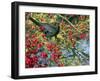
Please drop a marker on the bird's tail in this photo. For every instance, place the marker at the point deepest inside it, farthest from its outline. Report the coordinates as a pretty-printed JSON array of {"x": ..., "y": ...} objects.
[{"x": 35, "y": 21}]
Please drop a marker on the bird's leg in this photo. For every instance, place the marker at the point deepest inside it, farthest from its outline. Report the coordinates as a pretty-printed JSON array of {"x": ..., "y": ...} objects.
[{"x": 55, "y": 36}]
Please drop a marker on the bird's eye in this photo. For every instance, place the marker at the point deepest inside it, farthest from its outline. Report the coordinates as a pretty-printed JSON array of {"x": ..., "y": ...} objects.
[{"x": 46, "y": 32}]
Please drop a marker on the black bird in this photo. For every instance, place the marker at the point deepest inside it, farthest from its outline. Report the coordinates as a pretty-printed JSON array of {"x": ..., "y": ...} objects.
[{"x": 49, "y": 29}]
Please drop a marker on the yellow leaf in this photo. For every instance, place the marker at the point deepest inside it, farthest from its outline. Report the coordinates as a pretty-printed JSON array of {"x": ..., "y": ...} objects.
[{"x": 60, "y": 36}]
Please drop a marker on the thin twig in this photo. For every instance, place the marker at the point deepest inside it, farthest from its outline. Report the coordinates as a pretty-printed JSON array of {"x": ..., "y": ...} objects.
[
  {"x": 66, "y": 20},
  {"x": 69, "y": 22}
]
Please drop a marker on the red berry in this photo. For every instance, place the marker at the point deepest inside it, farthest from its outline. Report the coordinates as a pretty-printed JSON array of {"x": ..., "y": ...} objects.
[
  {"x": 54, "y": 57},
  {"x": 33, "y": 36},
  {"x": 28, "y": 43},
  {"x": 35, "y": 40},
  {"x": 42, "y": 28},
  {"x": 35, "y": 59},
  {"x": 82, "y": 36},
  {"x": 28, "y": 52},
  {"x": 33, "y": 44},
  {"x": 33, "y": 27},
  {"x": 40, "y": 45},
  {"x": 44, "y": 55},
  {"x": 70, "y": 33},
  {"x": 28, "y": 60},
  {"x": 43, "y": 35},
  {"x": 34, "y": 51}
]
